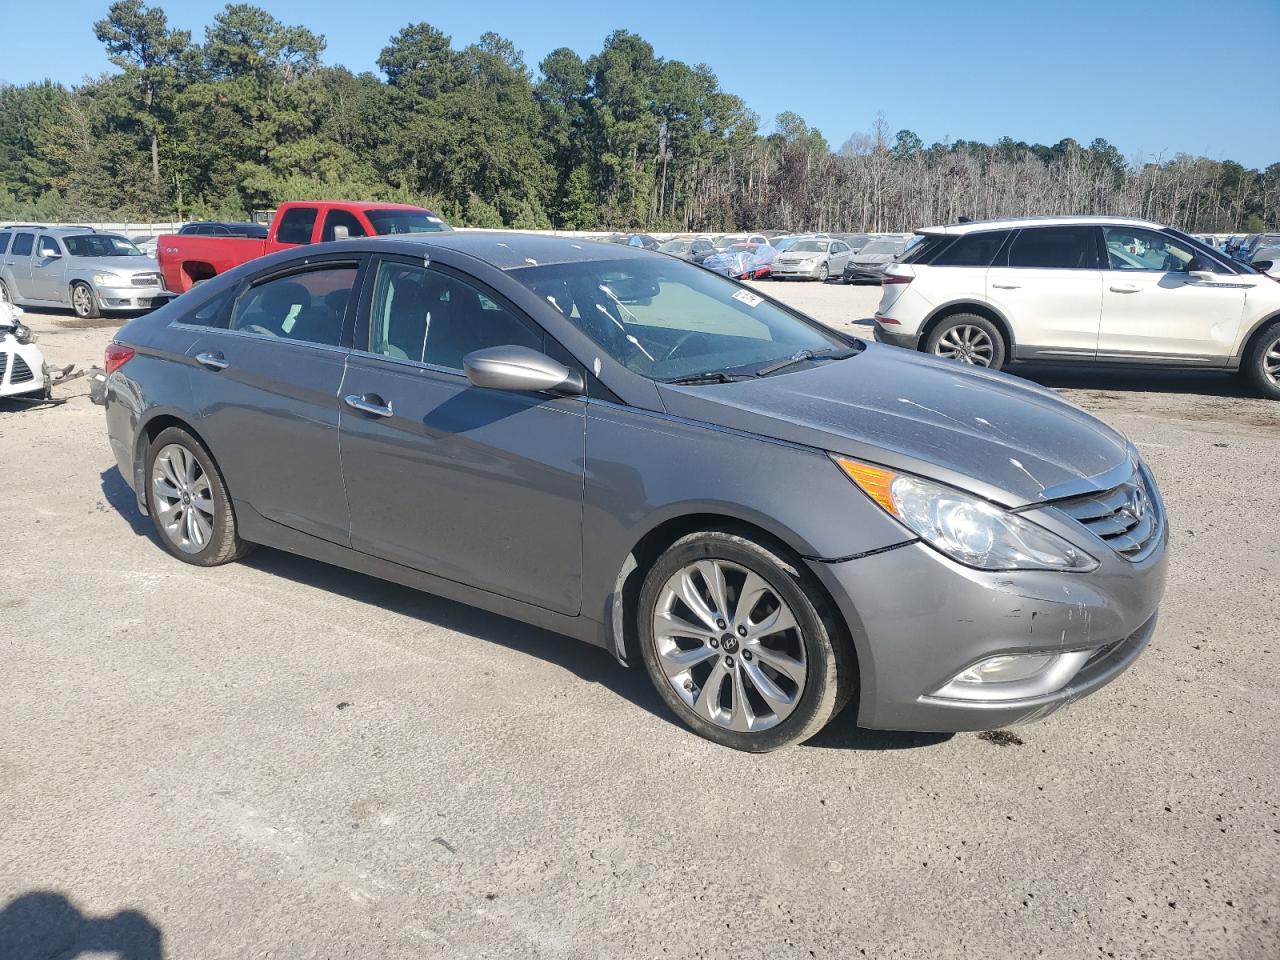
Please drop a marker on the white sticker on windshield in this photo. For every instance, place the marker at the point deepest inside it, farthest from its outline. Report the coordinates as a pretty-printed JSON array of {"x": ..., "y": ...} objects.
[
  {"x": 749, "y": 298},
  {"x": 431, "y": 219}
]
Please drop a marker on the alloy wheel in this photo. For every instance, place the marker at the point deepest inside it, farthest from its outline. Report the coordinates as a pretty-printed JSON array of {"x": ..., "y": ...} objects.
[
  {"x": 968, "y": 344},
  {"x": 729, "y": 646},
  {"x": 1271, "y": 362},
  {"x": 183, "y": 498},
  {"x": 81, "y": 300}
]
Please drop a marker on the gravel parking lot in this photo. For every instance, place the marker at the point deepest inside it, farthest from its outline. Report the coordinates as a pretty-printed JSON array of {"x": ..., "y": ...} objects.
[{"x": 279, "y": 758}]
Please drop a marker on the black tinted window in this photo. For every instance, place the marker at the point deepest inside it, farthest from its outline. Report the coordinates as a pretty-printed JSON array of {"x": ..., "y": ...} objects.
[
  {"x": 306, "y": 306},
  {"x": 211, "y": 314},
  {"x": 22, "y": 243},
  {"x": 4, "y": 240},
  {"x": 426, "y": 316},
  {"x": 971, "y": 250},
  {"x": 1062, "y": 248},
  {"x": 925, "y": 249},
  {"x": 296, "y": 224},
  {"x": 341, "y": 218}
]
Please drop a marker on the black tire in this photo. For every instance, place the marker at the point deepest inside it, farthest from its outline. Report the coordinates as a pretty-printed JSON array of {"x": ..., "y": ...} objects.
[
  {"x": 999, "y": 348},
  {"x": 5, "y": 295},
  {"x": 1264, "y": 352},
  {"x": 224, "y": 544},
  {"x": 84, "y": 302},
  {"x": 831, "y": 675}
]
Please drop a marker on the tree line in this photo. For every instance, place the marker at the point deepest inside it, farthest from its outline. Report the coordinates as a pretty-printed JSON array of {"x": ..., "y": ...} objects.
[{"x": 623, "y": 139}]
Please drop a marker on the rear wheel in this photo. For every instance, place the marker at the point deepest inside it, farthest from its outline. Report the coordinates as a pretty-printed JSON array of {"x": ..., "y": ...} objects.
[
  {"x": 741, "y": 643},
  {"x": 968, "y": 338},
  {"x": 83, "y": 302},
  {"x": 188, "y": 501},
  {"x": 1262, "y": 363}
]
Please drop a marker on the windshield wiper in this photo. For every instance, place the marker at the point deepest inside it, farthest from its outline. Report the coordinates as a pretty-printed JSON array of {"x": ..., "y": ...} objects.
[
  {"x": 711, "y": 376},
  {"x": 801, "y": 357}
]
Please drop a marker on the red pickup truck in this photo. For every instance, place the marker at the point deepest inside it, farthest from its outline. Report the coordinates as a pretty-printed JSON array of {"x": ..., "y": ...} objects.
[{"x": 186, "y": 259}]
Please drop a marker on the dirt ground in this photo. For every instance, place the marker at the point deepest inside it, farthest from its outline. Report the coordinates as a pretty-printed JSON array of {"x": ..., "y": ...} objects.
[{"x": 279, "y": 758}]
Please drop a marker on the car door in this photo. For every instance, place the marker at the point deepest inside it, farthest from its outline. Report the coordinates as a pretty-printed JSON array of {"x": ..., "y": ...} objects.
[
  {"x": 1154, "y": 309},
  {"x": 266, "y": 380},
  {"x": 48, "y": 268},
  {"x": 17, "y": 266},
  {"x": 839, "y": 256},
  {"x": 482, "y": 487},
  {"x": 1048, "y": 285}
]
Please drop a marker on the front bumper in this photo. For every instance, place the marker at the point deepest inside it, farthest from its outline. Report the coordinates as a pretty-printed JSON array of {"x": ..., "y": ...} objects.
[
  {"x": 786, "y": 271},
  {"x": 126, "y": 297},
  {"x": 918, "y": 620},
  {"x": 852, "y": 272},
  {"x": 21, "y": 368}
]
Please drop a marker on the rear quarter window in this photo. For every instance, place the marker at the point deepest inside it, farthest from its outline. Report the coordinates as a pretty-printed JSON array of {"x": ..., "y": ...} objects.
[{"x": 924, "y": 251}]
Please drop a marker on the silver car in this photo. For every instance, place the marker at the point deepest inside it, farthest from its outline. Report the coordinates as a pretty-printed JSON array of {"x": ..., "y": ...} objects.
[
  {"x": 92, "y": 273},
  {"x": 812, "y": 259},
  {"x": 773, "y": 518}
]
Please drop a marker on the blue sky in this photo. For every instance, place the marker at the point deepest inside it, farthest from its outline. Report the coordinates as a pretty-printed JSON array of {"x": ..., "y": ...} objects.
[{"x": 1154, "y": 77}]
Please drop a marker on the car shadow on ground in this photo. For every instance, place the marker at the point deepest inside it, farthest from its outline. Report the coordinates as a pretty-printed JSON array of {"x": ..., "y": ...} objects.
[
  {"x": 45, "y": 924},
  {"x": 587, "y": 662},
  {"x": 1209, "y": 383}
]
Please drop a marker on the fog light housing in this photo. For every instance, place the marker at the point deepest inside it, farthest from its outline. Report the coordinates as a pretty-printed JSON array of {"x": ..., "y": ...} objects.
[
  {"x": 1014, "y": 676},
  {"x": 1009, "y": 668}
]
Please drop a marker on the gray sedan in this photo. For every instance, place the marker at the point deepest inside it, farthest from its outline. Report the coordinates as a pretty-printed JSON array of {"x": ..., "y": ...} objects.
[
  {"x": 771, "y": 518},
  {"x": 89, "y": 272},
  {"x": 869, "y": 262}
]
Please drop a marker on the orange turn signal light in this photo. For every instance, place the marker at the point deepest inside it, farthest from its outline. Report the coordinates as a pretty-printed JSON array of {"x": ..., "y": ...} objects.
[{"x": 873, "y": 481}]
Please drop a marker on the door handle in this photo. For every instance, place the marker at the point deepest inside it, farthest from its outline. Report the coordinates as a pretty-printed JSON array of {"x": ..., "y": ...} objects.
[
  {"x": 1125, "y": 288},
  {"x": 214, "y": 361},
  {"x": 1007, "y": 286},
  {"x": 369, "y": 403}
]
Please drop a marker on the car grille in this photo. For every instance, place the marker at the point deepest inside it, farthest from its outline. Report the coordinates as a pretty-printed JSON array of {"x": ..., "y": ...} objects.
[
  {"x": 4, "y": 365},
  {"x": 1125, "y": 517},
  {"x": 145, "y": 279},
  {"x": 21, "y": 373}
]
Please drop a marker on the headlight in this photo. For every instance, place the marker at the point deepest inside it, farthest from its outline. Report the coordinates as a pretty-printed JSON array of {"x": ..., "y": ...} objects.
[
  {"x": 964, "y": 527},
  {"x": 106, "y": 279}
]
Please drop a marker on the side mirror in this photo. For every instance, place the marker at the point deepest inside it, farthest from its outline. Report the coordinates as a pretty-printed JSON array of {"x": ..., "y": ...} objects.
[
  {"x": 1263, "y": 266},
  {"x": 340, "y": 232},
  {"x": 521, "y": 369}
]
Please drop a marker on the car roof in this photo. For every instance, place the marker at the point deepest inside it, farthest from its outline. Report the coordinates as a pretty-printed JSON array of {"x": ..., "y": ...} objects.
[
  {"x": 1013, "y": 223},
  {"x": 509, "y": 251},
  {"x": 74, "y": 231}
]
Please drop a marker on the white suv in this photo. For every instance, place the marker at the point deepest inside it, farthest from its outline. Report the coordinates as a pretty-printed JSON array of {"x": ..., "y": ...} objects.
[{"x": 1094, "y": 289}]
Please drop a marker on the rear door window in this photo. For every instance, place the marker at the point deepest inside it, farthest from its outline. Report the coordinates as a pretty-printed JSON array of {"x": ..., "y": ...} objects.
[
  {"x": 22, "y": 244},
  {"x": 971, "y": 250},
  {"x": 310, "y": 306},
  {"x": 1055, "y": 248},
  {"x": 296, "y": 225}
]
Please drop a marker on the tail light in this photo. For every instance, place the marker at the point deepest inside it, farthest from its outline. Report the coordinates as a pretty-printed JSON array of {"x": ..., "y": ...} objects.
[
  {"x": 895, "y": 278},
  {"x": 116, "y": 356}
]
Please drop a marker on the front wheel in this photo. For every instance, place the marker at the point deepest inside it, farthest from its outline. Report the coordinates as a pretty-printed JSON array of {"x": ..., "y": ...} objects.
[
  {"x": 968, "y": 338},
  {"x": 823, "y": 273},
  {"x": 83, "y": 302},
  {"x": 188, "y": 501},
  {"x": 741, "y": 643},
  {"x": 1262, "y": 364}
]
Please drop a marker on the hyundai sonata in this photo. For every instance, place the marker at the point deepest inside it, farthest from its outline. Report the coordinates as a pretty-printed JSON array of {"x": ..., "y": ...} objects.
[{"x": 774, "y": 518}]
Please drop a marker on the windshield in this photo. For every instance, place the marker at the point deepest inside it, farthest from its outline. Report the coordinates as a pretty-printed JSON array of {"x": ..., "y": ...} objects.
[
  {"x": 809, "y": 246},
  {"x": 667, "y": 319},
  {"x": 676, "y": 246},
  {"x": 406, "y": 221},
  {"x": 879, "y": 246},
  {"x": 100, "y": 245}
]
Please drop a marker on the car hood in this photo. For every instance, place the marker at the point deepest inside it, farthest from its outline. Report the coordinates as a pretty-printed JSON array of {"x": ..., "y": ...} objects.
[
  {"x": 996, "y": 435},
  {"x": 872, "y": 258},
  {"x": 121, "y": 266}
]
